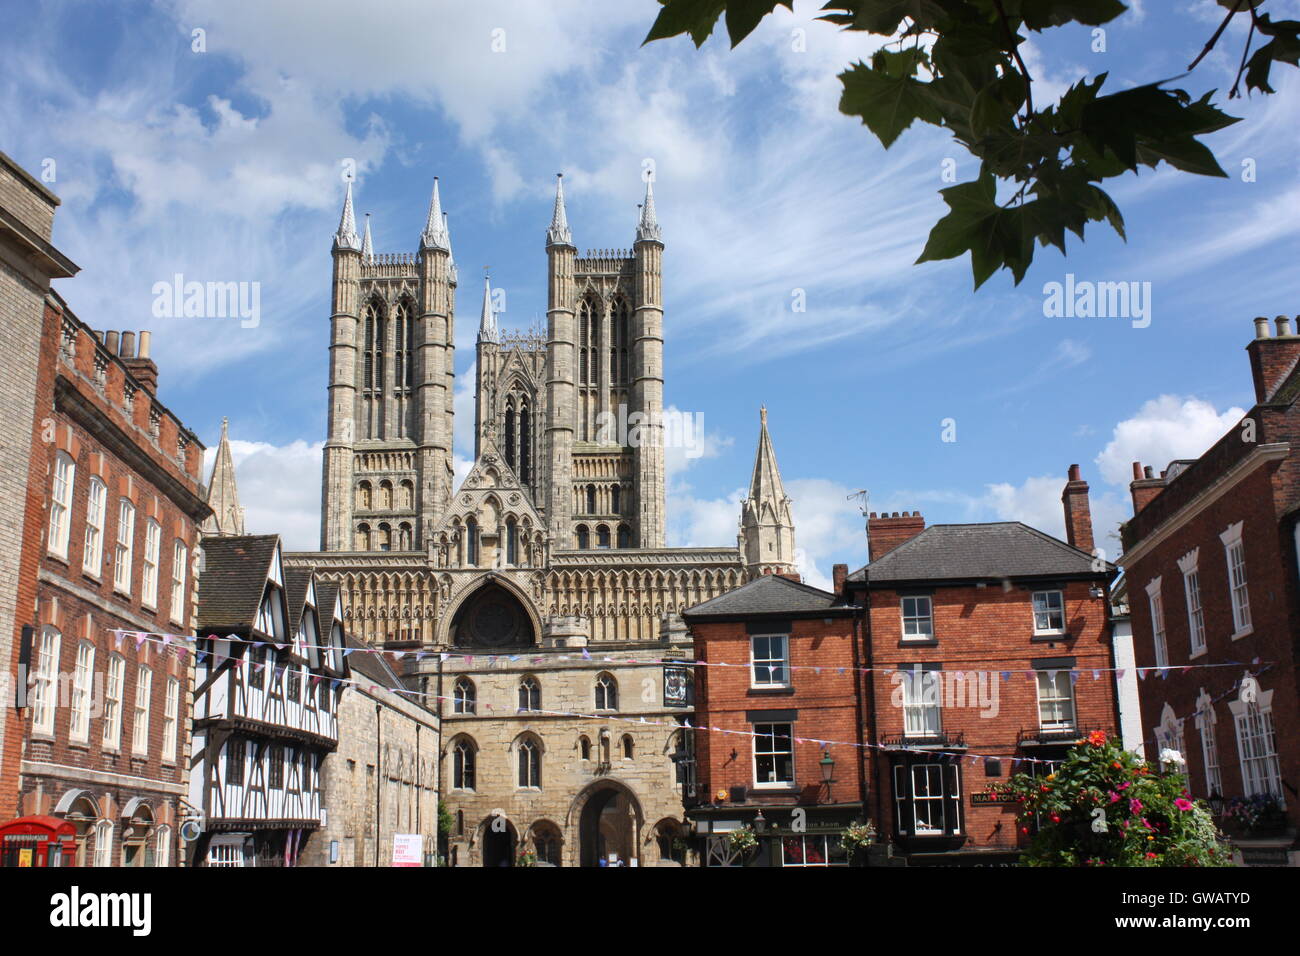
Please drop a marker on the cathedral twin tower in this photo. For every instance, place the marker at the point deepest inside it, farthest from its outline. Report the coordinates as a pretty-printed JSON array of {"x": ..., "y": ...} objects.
[{"x": 541, "y": 405}]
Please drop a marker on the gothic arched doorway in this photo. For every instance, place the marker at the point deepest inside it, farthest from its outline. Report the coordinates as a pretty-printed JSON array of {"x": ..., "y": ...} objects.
[
  {"x": 498, "y": 842},
  {"x": 609, "y": 827},
  {"x": 492, "y": 617}
]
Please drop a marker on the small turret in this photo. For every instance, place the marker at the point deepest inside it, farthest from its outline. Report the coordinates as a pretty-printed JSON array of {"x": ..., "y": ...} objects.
[
  {"x": 346, "y": 237},
  {"x": 558, "y": 234}
]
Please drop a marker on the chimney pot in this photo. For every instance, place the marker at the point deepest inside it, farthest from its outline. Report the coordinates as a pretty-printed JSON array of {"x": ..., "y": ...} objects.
[
  {"x": 145, "y": 337},
  {"x": 1261, "y": 327},
  {"x": 1283, "y": 323},
  {"x": 128, "y": 345},
  {"x": 111, "y": 341},
  {"x": 1137, "y": 471},
  {"x": 1074, "y": 473},
  {"x": 1148, "y": 472}
]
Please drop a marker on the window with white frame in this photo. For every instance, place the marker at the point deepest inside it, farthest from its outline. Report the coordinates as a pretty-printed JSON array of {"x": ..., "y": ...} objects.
[
  {"x": 125, "y": 546},
  {"x": 115, "y": 680},
  {"x": 927, "y": 799},
  {"x": 1192, "y": 590},
  {"x": 149, "y": 573},
  {"x": 140, "y": 719},
  {"x": 1055, "y": 700},
  {"x": 769, "y": 656},
  {"x": 65, "y": 471},
  {"x": 79, "y": 730},
  {"x": 163, "y": 846},
  {"x": 606, "y": 693},
  {"x": 773, "y": 755},
  {"x": 104, "y": 843},
  {"x": 1156, "y": 602},
  {"x": 922, "y": 702},
  {"x": 1206, "y": 723},
  {"x": 918, "y": 618},
  {"x": 814, "y": 850},
  {"x": 1235, "y": 552},
  {"x": 92, "y": 555},
  {"x": 171, "y": 719},
  {"x": 1049, "y": 612},
  {"x": 1169, "y": 735},
  {"x": 462, "y": 767},
  {"x": 45, "y": 686},
  {"x": 1261, "y": 771},
  {"x": 463, "y": 697},
  {"x": 180, "y": 558}
]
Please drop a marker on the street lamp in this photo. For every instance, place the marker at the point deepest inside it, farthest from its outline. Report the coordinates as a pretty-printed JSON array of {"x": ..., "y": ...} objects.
[
  {"x": 827, "y": 763},
  {"x": 1215, "y": 800}
]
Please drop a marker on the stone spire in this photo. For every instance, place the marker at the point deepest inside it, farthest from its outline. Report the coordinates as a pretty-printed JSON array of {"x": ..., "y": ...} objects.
[
  {"x": 227, "y": 517},
  {"x": 346, "y": 237},
  {"x": 558, "y": 234},
  {"x": 766, "y": 523},
  {"x": 487, "y": 326},
  {"x": 451, "y": 257},
  {"x": 648, "y": 227},
  {"x": 435, "y": 227},
  {"x": 367, "y": 246}
]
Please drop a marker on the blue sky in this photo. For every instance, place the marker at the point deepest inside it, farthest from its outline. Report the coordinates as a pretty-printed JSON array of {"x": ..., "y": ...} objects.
[{"x": 224, "y": 165}]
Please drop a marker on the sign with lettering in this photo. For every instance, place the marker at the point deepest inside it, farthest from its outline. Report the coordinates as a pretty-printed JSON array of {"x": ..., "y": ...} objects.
[
  {"x": 676, "y": 685},
  {"x": 986, "y": 799},
  {"x": 408, "y": 849}
]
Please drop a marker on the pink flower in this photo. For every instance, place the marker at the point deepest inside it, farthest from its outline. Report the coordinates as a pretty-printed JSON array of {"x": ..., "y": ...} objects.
[
  {"x": 1114, "y": 797},
  {"x": 1182, "y": 804},
  {"x": 1135, "y": 805}
]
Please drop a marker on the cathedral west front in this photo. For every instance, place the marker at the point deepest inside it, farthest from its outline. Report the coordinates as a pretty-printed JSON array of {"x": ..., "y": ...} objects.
[{"x": 536, "y": 603}]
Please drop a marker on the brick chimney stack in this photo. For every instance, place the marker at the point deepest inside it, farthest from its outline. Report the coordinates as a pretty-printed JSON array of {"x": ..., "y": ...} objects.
[
  {"x": 1078, "y": 515},
  {"x": 1144, "y": 487},
  {"x": 839, "y": 573},
  {"x": 1272, "y": 359},
  {"x": 140, "y": 365},
  {"x": 886, "y": 532}
]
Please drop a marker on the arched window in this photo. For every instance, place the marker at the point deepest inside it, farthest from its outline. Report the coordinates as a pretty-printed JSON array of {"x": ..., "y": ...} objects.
[
  {"x": 602, "y": 536},
  {"x": 629, "y": 748},
  {"x": 385, "y": 538},
  {"x": 606, "y": 692},
  {"x": 624, "y": 536},
  {"x": 510, "y": 437},
  {"x": 463, "y": 759},
  {"x": 591, "y": 499},
  {"x": 672, "y": 848},
  {"x": 525, "y": 459},
  {"x": 584, "y": 538},
  {"x": 530, "y": 694},
  {"x": 385, "y": 495},
  {"x": 584, "y": 748},
  {"x": 408, "y": 495},
  {"x": 471, "y": 542},
  {"x": 363, "y": 537},
  {"x": 92, "y": 556},
  {"x": 547, "y": 841},
  {"x": 616, "y": 499},
  {"x": 512, "y": 541},
  {"x": 619, "y": 320},
  {"x": 463, "y": 696},
  {"x": 104, "y": 843},
  {"x": 363, "y": 496},
  {"x": 369, "y": 349},
  {"x": 530, "y": 764}
]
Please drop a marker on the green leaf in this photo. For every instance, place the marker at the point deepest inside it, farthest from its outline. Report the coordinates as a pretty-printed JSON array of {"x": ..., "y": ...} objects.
[
  {"x": 695, "y": 17},
  {"x": 744, "y": 15},
  {"x": 993, "y": 235},
  {"x": 886, "y": 104},
  {"x": 1041, "y": 14}
]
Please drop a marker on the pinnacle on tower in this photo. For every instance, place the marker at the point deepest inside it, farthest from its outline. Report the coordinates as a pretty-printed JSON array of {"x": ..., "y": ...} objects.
[
  {"x": 367, "y": 246},
  {"x": 487, "y": 326},
  {"x": 558, "y": 234},
  {"x": 435, "y": 227},
  {"x": 765, "y": 484},
  {"x": 451, "y": 257},
  {"x": 648, "y": 227},
  {"x": 346, "y": 237},
  {"x": 227, "y": 517}
]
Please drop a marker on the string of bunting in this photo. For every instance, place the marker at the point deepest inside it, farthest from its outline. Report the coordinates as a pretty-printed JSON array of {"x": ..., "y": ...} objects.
[
  {"x": 1006, "y": 675},
  {"x": 336, "y": 682}
]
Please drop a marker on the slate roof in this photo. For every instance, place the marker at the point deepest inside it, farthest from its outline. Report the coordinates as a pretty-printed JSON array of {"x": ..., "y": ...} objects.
[
  {"x": 295, "y": 594},
  {"x": 235, "y": 570},
  {"x": 770, "y": 594},
  {"x": 973, "y": 552},
  {"x": 327, "y": 593}
]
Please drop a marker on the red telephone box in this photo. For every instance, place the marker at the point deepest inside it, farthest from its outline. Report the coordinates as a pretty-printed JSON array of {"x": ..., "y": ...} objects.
[{"x": 38, "y": 841}]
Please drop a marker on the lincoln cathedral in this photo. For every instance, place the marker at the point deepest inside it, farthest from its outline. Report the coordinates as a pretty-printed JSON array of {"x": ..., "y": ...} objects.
[{"x": 535, "y": 604}]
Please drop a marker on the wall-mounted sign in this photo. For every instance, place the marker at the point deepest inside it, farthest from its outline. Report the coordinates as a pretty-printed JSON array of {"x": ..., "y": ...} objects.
[
  {"x": 408, "y": 849},
  {"x": 677, "y": 691},
  {"x": 984, "y": 799}
]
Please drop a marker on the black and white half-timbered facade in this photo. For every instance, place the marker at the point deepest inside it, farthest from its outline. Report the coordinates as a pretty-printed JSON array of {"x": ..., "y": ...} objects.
[{"x": 269, "y": 674}]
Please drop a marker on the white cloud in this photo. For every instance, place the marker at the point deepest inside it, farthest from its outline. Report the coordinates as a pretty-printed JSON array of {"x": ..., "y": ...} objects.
[
  {"x": 1164, "y": 429},
  {"x": 279, "y": 489}
]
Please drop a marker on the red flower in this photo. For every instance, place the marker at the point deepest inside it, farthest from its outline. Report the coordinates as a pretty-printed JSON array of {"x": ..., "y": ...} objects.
[
  {"x": 1151, "y": 856},
  {"x": 1097, "y": 738}
]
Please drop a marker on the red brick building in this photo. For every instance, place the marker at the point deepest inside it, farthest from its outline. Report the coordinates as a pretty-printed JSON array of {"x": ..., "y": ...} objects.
[
  {"x": 988, "y": 648},
  {"x": 779, "y": 676},
  {"x": 117, "y": 493},
  {"x": 1211, "y": 560}
]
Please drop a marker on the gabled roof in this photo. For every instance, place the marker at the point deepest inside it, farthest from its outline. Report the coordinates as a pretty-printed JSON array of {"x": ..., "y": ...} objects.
[
  {"x": 974, "y": 552},
  {"x": 297, "y": 582},
  {"x": 769, "y": 594},
  {"x": 235, "y": 572}
]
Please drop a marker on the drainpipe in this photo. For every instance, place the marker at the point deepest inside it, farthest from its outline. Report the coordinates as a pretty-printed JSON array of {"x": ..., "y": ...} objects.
[{"x": 379, "y": 771}]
